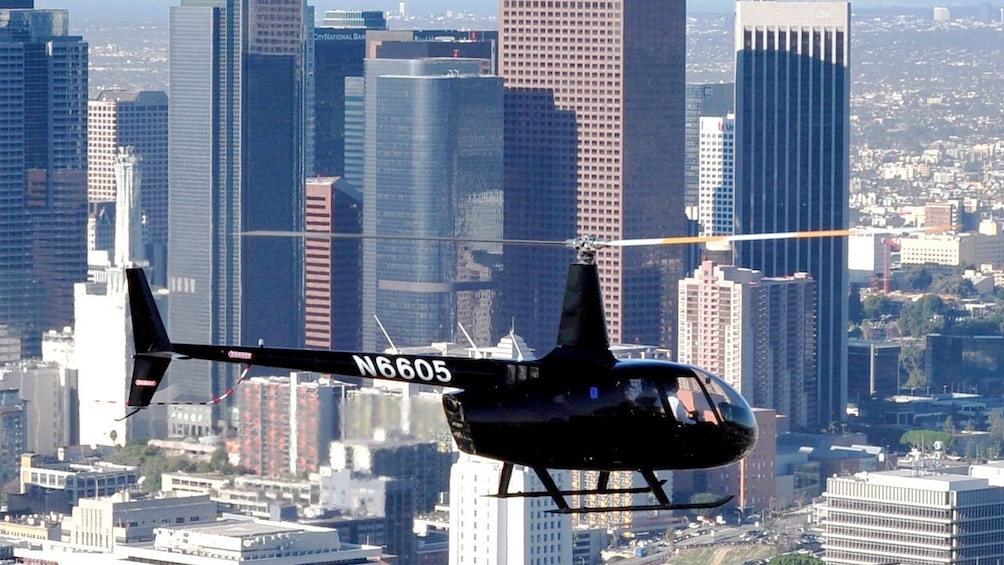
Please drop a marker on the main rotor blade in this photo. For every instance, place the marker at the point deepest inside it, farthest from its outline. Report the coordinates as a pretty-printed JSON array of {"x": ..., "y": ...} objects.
[
  {"x": 327, "y": 235},
  {"x": 683, "y": 240}
]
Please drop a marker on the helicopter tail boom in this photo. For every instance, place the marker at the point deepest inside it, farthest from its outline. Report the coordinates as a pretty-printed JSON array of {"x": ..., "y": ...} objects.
[{"x": 154, "y": 352}]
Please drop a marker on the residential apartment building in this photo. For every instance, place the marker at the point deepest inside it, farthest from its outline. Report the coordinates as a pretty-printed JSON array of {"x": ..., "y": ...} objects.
[
  {"x": 755, "y": 332},
  {"x": 287, "y": 423}
]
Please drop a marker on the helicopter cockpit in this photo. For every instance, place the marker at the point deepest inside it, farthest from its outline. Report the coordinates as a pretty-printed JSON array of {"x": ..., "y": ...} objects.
[{"x": 690, "y": 395}]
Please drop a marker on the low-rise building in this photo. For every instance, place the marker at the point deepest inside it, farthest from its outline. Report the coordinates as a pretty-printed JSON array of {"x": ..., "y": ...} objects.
[{"x": 909, "y": 516}]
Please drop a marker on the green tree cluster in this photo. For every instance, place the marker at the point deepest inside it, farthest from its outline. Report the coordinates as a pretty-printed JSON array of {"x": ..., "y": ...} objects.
[
  {"x": 925, "y": 316},
  {"x": 153, "y": 463}
]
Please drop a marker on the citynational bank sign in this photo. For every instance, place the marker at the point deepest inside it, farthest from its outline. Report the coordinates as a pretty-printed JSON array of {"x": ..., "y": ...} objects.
[{"x": 339, "y": 34}]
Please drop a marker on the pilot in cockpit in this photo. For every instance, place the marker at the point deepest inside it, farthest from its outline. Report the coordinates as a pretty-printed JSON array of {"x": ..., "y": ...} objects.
[{"x": 677, "y": 408}]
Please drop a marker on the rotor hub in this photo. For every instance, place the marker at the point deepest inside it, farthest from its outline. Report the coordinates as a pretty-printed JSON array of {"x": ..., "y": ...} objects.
[{"x": 585, "y": 247}]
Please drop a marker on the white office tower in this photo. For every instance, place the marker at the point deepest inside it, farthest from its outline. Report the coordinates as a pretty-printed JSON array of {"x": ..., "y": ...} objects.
[
  {"x": 485, "y": 529},
  {"x": 716, "y": 190},
  {"x": 103, "y": 329},
  {"x": 916, "y": 517}
]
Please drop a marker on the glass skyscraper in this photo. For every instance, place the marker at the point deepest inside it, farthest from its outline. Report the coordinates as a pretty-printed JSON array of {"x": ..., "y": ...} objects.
[
  {"x": 431, "y": 167},
  {"x": 43, "y": 169},
  {"x": 240, "y": 114},
  {"x": 792, "y": 129}
]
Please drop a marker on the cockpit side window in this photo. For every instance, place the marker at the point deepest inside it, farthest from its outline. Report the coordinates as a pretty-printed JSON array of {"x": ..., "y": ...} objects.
[{"x": 642, "y": 395}]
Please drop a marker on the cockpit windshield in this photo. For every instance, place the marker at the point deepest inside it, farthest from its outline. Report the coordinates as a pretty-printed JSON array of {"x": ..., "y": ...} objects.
[
  {"x": 689, "y": 397},
  {"x": 720, "y": 398}
]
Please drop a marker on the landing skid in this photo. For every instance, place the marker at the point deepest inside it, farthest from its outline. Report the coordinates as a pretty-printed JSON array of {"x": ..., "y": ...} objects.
[{"x": 655, "y": 487}]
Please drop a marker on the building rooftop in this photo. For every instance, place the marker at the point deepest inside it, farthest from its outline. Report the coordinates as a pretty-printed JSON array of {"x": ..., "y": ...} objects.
[{"x": 925, "y": 480}]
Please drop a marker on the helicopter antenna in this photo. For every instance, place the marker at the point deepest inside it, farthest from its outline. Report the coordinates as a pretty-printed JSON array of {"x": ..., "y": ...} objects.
[
  {"x": 477, "y": 353},
  {"x": 393, "y": 347}
]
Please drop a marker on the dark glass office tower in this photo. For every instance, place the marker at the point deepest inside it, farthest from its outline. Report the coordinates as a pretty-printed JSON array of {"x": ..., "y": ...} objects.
[
  {"x": 43, "y": 169},
  {"x": 792, "y": 126},
  {"x": 594, "y": 146},
  {"x": 431, "y": 167},
  {"x": 339, "y": 53},
  {"x": 241, "y": 107}
]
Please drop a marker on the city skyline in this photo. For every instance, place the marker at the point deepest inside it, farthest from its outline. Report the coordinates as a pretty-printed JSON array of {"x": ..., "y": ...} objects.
[{"x": 918, "y": 140}]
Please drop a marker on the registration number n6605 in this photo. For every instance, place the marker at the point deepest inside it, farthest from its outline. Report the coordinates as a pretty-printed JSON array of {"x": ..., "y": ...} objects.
[{"x": 379, "y": 366}]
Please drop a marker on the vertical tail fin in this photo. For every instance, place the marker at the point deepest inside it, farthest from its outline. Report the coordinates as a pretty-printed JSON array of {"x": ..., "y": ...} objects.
[{"x": 153, "y": 348}]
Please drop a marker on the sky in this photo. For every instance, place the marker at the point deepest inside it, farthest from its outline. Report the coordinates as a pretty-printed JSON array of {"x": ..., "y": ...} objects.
[{"x": 111, "y": 10}]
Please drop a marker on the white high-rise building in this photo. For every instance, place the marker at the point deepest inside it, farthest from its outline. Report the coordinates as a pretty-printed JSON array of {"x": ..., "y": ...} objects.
[
  {"x": 716, "y": 189},
  {"x": 485, "y": 529},
  {"x": 910, "y": 516},
  {"x": 103, "y": 329}
]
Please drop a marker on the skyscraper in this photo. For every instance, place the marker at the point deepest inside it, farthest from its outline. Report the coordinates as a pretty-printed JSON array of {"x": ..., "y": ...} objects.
[
  {"x": 716, "y": 180},
  {"x": 43, "y": 168},
  {"x": 104, "y": 348},
  {"x": 332, "y": 311},
  {"x": 240, "y": 113},
  {"x": 703, "y": 99},
  {"x": 485, "y": 529},
  {"x": 432, "y": 167},
  {"x": 792, "y": 129},
  {"x": 139, "y": 120},
  {"x": 594, "y": 145}
]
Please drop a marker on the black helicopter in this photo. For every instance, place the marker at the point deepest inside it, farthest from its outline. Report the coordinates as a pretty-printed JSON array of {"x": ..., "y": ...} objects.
[{"x": 577, "y": 407}]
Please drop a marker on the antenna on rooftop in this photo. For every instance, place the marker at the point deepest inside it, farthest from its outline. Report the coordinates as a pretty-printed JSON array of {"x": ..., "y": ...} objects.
[
  {"x": 477, "y": 353},
  {"x": 393, "y": 347}
]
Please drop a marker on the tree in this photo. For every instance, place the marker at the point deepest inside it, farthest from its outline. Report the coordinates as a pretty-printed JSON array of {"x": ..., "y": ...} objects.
[
  {"x": 704, "y": 498},
  {"x": 924, "y": 439},
  {"x": 911, "y": 361},
  {"x": 955, "y": 286},
  {"x": 875, "y": 305},
  {"x": 949, "y": 425},
  {"x": 925, "y": 316},
  {"x": 919, "y": 278}
]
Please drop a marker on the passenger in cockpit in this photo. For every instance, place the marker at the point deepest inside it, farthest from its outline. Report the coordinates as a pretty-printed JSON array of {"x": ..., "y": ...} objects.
[{"x": 677, "y": 408}]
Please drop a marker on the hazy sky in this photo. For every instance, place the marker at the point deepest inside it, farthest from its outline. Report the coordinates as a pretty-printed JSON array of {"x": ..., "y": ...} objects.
[
  {"x": 139, "y": 9},
  {"x": 112, "y": 10}
]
